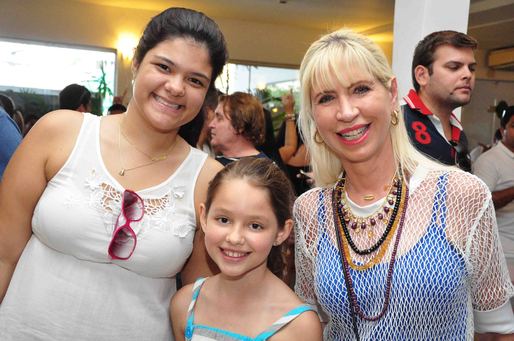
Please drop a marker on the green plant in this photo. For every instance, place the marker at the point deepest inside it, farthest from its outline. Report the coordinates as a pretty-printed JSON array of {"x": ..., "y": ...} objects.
[
  {"x": 98, "y": 105},
  {"x": 271, "y": 99}
]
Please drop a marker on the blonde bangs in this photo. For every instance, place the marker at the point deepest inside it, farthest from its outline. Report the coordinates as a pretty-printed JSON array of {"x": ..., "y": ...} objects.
[{"x": 339, "y": 65}]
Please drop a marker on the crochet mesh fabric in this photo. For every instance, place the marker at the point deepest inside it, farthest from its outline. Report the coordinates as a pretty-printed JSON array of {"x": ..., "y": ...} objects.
[{"x": 449, "y": 263}]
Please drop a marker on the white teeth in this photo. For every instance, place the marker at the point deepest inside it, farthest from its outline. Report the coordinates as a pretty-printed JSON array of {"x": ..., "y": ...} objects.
[
  {"x": 166, "y": 103},
  {"x": 354, "y": 134},
  {"x": 234, "y": 253}
]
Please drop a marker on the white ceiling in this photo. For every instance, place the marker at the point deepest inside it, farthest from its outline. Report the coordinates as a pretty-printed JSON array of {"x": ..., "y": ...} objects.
[{"x": 490, "y": 21}]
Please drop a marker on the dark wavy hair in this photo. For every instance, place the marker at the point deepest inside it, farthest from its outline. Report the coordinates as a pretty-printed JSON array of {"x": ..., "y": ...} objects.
[
  {"x": 178, "y": 22},
  {"x": 506, "y": 115}
]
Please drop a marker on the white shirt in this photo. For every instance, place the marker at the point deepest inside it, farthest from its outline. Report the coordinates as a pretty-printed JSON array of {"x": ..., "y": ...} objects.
[{"x": 496, "y": 168}]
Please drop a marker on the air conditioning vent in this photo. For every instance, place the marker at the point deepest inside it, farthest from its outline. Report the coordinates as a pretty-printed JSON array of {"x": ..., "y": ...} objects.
[{"x": 502, "y": 59}]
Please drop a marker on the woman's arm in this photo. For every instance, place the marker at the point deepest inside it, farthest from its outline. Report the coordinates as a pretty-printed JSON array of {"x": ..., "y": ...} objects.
[
  {"x": 300, "y": 158},
  {"x": 38, "y": 158},
  {"x": 491, "y": 287},
  {"x": 291, "y": 136},
  {"x": 199, "y": 264}
]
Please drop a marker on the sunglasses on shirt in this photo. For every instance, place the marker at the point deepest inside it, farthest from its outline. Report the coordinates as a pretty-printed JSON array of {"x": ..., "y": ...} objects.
[
  {"x": 124, "y": 240},
  {"x": 462, "y": 158}
]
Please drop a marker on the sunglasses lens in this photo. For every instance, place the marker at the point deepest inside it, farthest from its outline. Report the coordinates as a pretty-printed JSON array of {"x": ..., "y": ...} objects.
[
  {"x": 132, "y": 206},
  {"x": 123, "y": 243}
]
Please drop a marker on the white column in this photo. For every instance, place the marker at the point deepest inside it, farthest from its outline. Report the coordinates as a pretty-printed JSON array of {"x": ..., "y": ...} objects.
[{"x": 413, "y": 20}]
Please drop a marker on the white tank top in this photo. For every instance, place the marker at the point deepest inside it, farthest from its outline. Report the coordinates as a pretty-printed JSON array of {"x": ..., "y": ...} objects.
[{"x": 65, "y": 285}]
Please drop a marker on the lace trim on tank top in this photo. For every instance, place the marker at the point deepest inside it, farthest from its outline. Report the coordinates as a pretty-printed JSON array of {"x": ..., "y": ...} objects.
[{"x": 107, "y": 199}]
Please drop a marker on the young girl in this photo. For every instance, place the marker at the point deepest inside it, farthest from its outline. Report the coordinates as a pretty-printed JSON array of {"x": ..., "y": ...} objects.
[{"x": 246, "y": 214}]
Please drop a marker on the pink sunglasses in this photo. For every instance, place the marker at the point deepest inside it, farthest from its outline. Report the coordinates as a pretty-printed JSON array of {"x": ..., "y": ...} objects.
[{"x": 124, "y": 240}]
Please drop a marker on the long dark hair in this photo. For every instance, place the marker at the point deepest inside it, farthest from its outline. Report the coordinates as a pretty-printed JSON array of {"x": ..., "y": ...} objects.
[{"x": 178, "y": 22}]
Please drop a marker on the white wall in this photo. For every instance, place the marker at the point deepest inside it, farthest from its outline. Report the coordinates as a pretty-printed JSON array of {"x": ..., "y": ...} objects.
[{"x": 70, "y": 22}]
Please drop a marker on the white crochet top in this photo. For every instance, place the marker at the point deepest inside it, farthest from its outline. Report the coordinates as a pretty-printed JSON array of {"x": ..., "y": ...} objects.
[{"x": 449, "y": 279}]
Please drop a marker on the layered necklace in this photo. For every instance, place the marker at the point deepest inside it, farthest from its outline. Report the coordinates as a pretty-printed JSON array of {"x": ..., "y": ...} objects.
[
  {"x": 392, "y": 211},
  {"x": 384, "y": 213},
  {"x": 153, "y": 159}
]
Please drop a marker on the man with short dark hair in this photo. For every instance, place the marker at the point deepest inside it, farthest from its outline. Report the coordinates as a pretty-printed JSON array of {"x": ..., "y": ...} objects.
[
  {"x": 443, "y": 74},
  {"x": 75, "y": 97},
  {"x": 116, "y": 108},
  {"x": 496, "y": 168}
]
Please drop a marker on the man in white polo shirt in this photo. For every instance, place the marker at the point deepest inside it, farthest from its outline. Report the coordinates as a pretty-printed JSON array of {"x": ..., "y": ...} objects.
[{"x": 496, "y": 168}]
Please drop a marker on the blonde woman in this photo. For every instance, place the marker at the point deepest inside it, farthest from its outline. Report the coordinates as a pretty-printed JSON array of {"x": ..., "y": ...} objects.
[{"x": 390, "y": 245}]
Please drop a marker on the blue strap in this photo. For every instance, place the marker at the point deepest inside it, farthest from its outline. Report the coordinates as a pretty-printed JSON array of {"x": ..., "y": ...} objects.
[
  {"x": 190, "y": 313},
  {"x": 321, "y": 213},
  {"x": 283, "y": 321},
  {"x": 279, "y": 324},
  {"x": 439, "y": 208}
]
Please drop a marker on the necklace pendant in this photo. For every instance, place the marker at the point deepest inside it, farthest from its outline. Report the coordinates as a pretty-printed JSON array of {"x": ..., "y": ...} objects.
[
  {"x": 159, "y": 158},
  {"x": 122, "y": 172},
  {"x": 368, "y": 197}
]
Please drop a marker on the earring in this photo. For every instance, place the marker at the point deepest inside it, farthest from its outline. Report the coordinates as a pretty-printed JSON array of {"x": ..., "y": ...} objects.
[
  {"x": 317, "y": 138},
  {"x": 394, "y": 117},
  {"x": 275, "y": 243}
]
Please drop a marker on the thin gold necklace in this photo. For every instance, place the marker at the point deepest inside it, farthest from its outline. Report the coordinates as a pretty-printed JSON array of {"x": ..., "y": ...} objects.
[
  {"x": 161, "y": 157},
  {"x": 153, "y": 159}
]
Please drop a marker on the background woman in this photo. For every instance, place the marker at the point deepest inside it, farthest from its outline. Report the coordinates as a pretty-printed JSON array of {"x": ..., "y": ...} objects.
[
  {"x": 390, "y": 246},
  {"x": 83, "y": 257}
]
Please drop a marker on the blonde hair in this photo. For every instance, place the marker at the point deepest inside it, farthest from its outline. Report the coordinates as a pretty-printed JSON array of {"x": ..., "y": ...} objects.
[{"x": 329, "y": 61}]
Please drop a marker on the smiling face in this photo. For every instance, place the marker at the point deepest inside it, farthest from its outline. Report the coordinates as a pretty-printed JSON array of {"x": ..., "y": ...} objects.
[
  {"x": 171, "y": 82},
  {"x": 353, "y": 116},
  {"x": 452, "y": 79},
  {"x": 241, "y": 228}
]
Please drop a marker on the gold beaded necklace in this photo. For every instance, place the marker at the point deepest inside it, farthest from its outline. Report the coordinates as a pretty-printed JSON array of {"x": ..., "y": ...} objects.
[
  {"x": 153, "y": 159},
  {"x": 377, "y": 258}
]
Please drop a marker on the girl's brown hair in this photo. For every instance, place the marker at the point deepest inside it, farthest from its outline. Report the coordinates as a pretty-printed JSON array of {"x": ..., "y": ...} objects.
[{"x": 262, "y": 173}]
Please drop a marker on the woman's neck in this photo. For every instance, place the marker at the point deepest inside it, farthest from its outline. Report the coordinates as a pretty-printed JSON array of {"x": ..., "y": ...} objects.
[
  {"x": 143, "y": 135},
  {"x": 369, "y": 181}
]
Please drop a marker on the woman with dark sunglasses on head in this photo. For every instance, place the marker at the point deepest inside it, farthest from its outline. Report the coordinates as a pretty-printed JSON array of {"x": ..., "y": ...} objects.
[
  {"x": 99, "y": 215},
  {"x": 390, "y": 245}
]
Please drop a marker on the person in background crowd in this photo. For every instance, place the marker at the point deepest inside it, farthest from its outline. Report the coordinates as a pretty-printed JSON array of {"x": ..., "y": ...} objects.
[
  {"x": 238, "y": 127},
  {"x": 75, "y": 97},
  {"x": 443, "y": 74},
  {"x": 116, "y": 108},
  {"x": 390, "y": 245},
  {"x": 10, "y": 136},
  {"x": 496, "y": 168},
  {"x": 10, "y": 107},
  {"x": 30, "y": 121},
  {"x": 209, "y": 106},
  {"x": 99, "y": 214},
  {"x": 292, "y": 148},
  {"x": 246, "y": 301}
]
